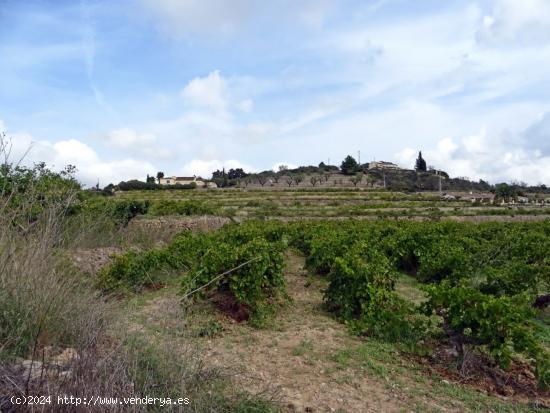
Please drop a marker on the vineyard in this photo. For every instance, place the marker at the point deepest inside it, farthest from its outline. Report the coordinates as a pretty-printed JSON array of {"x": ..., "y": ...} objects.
[
  {"x": 455, "y": 289},
  {"x": 476, "y": 293},
  {"x": 329, "y": 203},
  {"x": 275, "y": 301}
]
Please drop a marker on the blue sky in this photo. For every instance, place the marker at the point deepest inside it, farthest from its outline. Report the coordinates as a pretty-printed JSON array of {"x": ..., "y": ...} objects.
[{"x": 126, "y": 88}]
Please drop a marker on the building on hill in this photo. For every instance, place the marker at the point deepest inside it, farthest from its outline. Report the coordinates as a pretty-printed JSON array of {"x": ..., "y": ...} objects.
[
  {"x": 448, "y": 197},
  {"x": 481, "y": 197},
  {"x": 383, "y": 165},
  {"x": 186, "y": 180}
]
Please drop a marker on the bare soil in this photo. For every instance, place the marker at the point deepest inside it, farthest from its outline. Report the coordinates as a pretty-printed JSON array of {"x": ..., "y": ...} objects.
[
  {"x": 177, "y": 224},
  {"x": 292, "y": 359},
  {"x": 91, "y": 260},
  {"x": 308, "y": 362},
  {"x": 482, "y": 374}
]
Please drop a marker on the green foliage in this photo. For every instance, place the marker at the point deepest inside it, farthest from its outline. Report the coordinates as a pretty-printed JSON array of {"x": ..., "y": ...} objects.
[
  {"x": 349, "y": 165},
  {"x": 210, "y": 329},
  {"x": 481, "y": 279},
  {"x": 420, "y": 164},
  {"x": 324, "y": 249},
  {"x": 150, "y": 185},
  {"x": 120, "y": 211},
  {"x": 501, "y": 324},
  {"x": 136, "y": 185},
  {"x": 32, "y": 190},
  {"x": 354, "y": 276},
  {"x": 136, "y": 270},
  {"x": 251, "y": 255},
  {"x": 356, "y": 179},
  {"x": 132, "y": 270},
  {"x": 387, "y": 316},
  {"x": 172, "y": 207},
  {"x": 253, "y": 271},
  {"x": 506, "y": 192},
  {"x": 361, "y": 293}
]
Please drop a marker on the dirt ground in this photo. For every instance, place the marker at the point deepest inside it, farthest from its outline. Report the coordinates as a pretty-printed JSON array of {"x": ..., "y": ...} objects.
[
  {"x": 92, "y": 260},
  {"x": 307, "y": 361},
  {"x": 292, "y": 360}
]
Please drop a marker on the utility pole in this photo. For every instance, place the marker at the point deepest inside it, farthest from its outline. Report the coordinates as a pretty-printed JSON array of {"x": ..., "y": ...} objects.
[{"x": 359, "y": 157}]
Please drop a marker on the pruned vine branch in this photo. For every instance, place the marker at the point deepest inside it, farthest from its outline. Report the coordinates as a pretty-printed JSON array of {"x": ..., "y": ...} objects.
[{"x": 186, "y": 296}]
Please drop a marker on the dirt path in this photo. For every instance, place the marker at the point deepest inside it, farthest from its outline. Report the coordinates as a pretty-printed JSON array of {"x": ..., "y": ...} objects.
[
  {"x": 293, "y": 358},
  {"x": 305, "y": 360}
]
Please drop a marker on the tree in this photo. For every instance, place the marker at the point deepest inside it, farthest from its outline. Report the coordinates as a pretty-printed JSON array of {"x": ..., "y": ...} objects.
[
  {"x": 236, "y": 173},
  {"x": 420, "y": 165},
  {"x": 314, "y": 180},
  {"x": 505, "y": 192},
  {"x": 349, "y": 165},
  {"x": 262, "y": 178},
  {"x": 356, "y": 179},
  {"x": 160, "y": 175},
  {"x": 298, "y": 178},
  {"x": 150, "y": 179},
  {"x": 283, "y": 168},
  {"x": 289, "y": 180}
]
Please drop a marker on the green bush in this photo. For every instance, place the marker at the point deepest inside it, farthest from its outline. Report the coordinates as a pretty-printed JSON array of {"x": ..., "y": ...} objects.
[
  {"x": 481, "y": 279},
  {"x": 501, "y": 324},
  {"x": 353, "y": 277},
  {"x": 172, "y": 207},
  {"x": 120, "y": 211},
  {"x": 255, "y": 248},
  {"x": 253, "y": 273},
  {"x": 387, "y": 316},
  {"x": 132, "y": 270}
]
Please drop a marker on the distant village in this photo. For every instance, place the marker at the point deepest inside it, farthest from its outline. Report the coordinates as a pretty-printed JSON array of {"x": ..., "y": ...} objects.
[{"x": 352, "y": 174}]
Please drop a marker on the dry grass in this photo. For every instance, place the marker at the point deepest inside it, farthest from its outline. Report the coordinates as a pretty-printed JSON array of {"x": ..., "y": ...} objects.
[
  {"x": 47, "y": 309},
  {"x": 44, "y": 304}
]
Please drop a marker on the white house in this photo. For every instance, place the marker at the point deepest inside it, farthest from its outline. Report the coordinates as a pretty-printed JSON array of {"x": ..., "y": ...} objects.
[
  {"x": 182, "y": 180},
  {"x": 448, "y": 197},
  {"x": 382, "y": 165}
]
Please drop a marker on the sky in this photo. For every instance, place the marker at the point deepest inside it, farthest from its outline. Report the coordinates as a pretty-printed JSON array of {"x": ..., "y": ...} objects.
[{"x": 126, "y": 88}]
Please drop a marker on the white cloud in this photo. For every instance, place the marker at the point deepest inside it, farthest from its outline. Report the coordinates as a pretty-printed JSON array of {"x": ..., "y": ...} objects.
[
  {"x": 144, "y": 145},
  {"x": 537, "y": 136},
  {"x": 208, "y": 92},
  {"x": 126, "y": 138},
  {"x": 514, "y": 22},
  {"x": 90, "y": 168},
  {"x": 115, "y": 171},
  {"x": 205, "y": 168},
  {"x": 214, "y": 110},
  {"x": 246, "y": 105},
  {"x": 365, "y": 82},
  {"x": 481, "y": 156}
]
